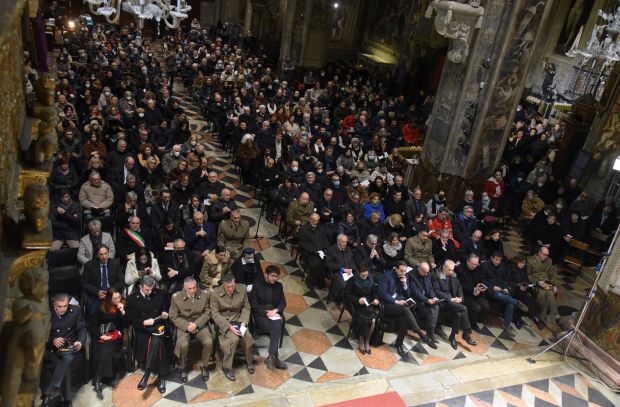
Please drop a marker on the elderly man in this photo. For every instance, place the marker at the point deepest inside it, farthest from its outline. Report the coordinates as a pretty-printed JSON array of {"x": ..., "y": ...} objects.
[
  {"x": 96, "y": 196},
  {"x": 426, "y": 298},
  {"x": 268, "y": 303},
  {"x": 210, "y": 189},
  {"x": 312, "y": 243},
  {"x": 341, "y": 265},
  {"x": 119, "y": 177},
  {"x": 233, "y": 233},
  {"x": 189, "y": 313},
  {"x": 199, "y": 236},
  {"x": 544, "y": 274},
  {"x": 66, "y": 219},
  {"x": 92, "y": 241},
  {"x": 371, "y": 255},
  {"x": 170, "y": 160},
  {"x": 147, "y": 312},
  {"x": 68, "y": 332},
  {"x": 419, "y": 249},
  {"x": 221, "y": 209},
  {"x": 230, "y": 310},
  {"x": 298, "y": 213},
  {"x": 215, "y": 265},
  {"x": 473, "y": 245},
  {"x": 471, "y": 277},
  {"x": 449, "y": 290},
  {"x": 131, "y": 238},
  {"x": 465, "y": 224},
  {"x": 128, "y": 209}
]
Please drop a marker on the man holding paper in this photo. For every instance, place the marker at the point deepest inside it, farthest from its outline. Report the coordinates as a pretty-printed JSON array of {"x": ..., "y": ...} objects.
[
  {"x": 268, "y": 303},
  {"x": 230, "y": 310},
  {"x": 521, "y": 289},
  {"x": 313, "y": 244},
  {"x": 340, "y": 262}
]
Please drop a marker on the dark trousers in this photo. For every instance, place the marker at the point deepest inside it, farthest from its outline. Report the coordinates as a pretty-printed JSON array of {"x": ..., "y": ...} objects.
[
  {"x": 273, "y": 329},
  {"x": 526, "y": 298},
  {"x": 315, "y": 269},
  {"x": 429, "y": 313},
  {"x": 458, "y": 313},
  {"x": 61, "y": 376},
  {"x": 477, "y": 308},
  {"x": 404, "y": 318}
]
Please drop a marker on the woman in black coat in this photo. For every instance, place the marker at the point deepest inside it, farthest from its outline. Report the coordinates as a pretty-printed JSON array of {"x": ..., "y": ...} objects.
[
  {"x": 360, "y": 293},
  {"x": 106, "y": 334}
]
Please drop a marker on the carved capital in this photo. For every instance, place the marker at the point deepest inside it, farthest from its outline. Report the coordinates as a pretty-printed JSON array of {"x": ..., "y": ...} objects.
[{"x": 456, "y": 21}]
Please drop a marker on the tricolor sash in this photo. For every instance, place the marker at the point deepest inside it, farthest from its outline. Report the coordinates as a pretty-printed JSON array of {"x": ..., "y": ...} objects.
[{"x": 135, "y": 237}]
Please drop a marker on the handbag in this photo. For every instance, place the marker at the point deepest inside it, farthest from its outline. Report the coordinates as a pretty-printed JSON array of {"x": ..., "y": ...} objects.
[{"x": 376, "y": 338}]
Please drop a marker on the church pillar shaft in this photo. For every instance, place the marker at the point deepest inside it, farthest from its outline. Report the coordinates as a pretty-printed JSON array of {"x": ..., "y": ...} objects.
[{"x": 287, "y": 29}]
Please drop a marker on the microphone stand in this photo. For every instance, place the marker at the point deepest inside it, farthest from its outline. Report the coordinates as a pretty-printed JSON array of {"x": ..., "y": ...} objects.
[
  {"x": 256, "y": 236},
  {"x": 572, "y": 332}
]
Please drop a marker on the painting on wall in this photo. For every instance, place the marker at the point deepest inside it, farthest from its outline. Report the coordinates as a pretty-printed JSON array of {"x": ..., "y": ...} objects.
[
  {"x": 339, "y": 19},
  {"x": 576, "y": 18},
  {"x": 397, "y": 23}
]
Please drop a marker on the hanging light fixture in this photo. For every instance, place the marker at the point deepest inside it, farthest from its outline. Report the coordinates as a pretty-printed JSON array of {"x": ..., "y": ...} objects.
[{"x": 158, "y": 10}]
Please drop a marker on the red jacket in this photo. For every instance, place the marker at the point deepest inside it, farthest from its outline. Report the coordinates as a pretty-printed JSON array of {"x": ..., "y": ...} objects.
[{"x": 435, "y": 226}]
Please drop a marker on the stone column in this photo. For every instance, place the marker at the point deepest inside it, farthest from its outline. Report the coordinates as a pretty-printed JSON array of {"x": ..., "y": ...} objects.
[
  {"x": 248, "y": 16},
  {"x": 306, "y": 29},
  {"x": 287, "y": 29},
  {"x": 477, "y": 97},
  {"x": 218, "y": 10}
]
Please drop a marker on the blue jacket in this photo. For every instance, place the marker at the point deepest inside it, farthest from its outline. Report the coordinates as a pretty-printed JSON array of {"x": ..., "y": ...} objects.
[
  {"x": 368, "y": 209},
  {"x": 389, "y": 284},
  {"x": 198, "y": 243}
]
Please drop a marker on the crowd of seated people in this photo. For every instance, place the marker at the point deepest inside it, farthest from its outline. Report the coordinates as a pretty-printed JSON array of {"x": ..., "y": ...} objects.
[{"x": 163, "y": 246}]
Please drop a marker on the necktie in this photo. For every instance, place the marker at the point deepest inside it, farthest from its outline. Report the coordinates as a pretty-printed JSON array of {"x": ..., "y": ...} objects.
[{"x": 104, "y": 277}]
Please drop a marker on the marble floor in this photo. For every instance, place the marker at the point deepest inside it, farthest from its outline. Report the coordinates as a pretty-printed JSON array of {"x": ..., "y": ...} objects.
[{"x": 325, "y": 368}]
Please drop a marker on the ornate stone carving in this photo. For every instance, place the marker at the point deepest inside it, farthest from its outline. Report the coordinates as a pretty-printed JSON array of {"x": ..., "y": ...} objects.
[
  {"x": 42, "y": 142},
  {"x": 456, "y": 21},
  {"x": 37, "y": 230},
  {"x": 24, "y": 337}
]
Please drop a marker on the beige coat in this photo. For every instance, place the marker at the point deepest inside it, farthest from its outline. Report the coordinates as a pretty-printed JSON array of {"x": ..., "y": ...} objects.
[
  {"x": 183, "y": 310},
  {"x": 233, "y": 238},
  {"x": 298, "y": 212},
  {"x": 100, "y": 197},
  {"x": 417, "y": 251},
  {"x": 212, "y": 270}
]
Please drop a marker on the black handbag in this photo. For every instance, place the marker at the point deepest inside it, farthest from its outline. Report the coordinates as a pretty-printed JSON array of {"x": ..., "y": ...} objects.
[{"x": 376, "y": 338}]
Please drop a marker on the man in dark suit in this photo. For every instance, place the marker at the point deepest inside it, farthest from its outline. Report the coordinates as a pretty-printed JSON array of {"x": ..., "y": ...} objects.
[
  {"x": 98, "y": 276},
  {"x": 449, "y": 290},
  {"x": 119, "y": 178},
  {"x": 341, "y": 264},
  {"x": 470, "y": 275},
  {"x": 67, "y": 336},
  {"x": 473, "y": 244},
  {"x": 427, "y": 301},
  {"x": 166, "y": 208},
  {"x": 129, "y": 239}
]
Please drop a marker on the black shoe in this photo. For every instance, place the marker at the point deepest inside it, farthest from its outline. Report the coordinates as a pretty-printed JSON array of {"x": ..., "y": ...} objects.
[
  {"x": 519, "y": 324},
  {"x": 205, "y": 373},
  {"x": 183, "y": 376},
  {"x": 476, "y": 327},
  {"x": 161, "y": 385},
  {"x": 144, "y": 381},
  {"x": 45, "y": 400},
  {"x": 431, "y": 337},
  {"x": 251, "y": 368},
  {"x": 440, "y": 332},
  {"x": 539, "y": 323},
  {"x": 230, "y": 375},
  {"x": 429, "y": 341},
  {"x": 400, "y": 350},
  {"x": 99, "y": 389},
  {"x": 468, "y": 339},
  {"x": 452, "y": 341}
]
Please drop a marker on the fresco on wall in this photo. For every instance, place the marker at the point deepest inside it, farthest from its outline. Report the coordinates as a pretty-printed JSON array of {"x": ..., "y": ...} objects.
[
  {"x": 507, "y": 86},
  {"x": 339, "y": 18},
  {"x": 577, "y": 16},
  {"x": 602, "y": 322}
]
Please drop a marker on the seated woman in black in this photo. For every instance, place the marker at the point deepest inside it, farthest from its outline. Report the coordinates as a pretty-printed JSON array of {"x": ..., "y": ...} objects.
[
  {"x": 520, "y": 289},
  {"x": 106, "y": 326},
  {"x": 393, "y": 250},
  {"x": 361, "y": 293}
]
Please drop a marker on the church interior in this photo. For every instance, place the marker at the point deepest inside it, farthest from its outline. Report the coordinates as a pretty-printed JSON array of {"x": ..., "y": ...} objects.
[{"x": 310, "y": 203}]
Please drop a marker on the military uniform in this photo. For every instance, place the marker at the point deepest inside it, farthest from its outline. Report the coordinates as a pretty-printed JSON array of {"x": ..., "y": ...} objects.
[
  {"x": 544, "y": 270},
  {"x": 184, "y": 310},
  {"x": 213, "y": 270},
  {"x": 295, "y": 212},
  {"x": 418, "y": 251},
  {"x": 227, "y": 310},
  {"x": 233, "y": 237}
]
